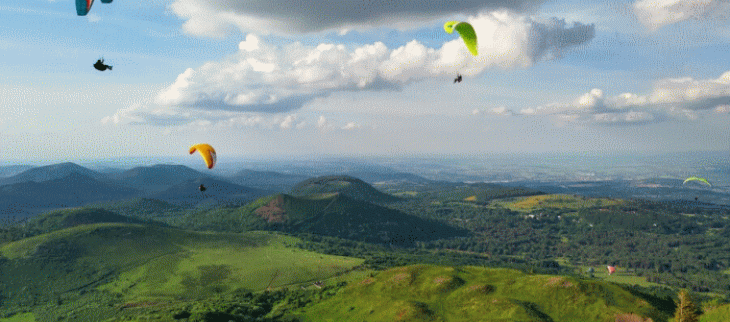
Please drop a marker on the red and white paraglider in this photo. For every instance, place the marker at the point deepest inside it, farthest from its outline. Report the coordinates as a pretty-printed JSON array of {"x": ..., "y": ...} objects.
[{"x": 611, "y": 269}]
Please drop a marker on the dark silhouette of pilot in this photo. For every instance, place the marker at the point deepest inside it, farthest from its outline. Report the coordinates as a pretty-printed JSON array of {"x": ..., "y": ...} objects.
[
  {"x": 457, "y": 79},
  {"x": 99, "y": 65}
]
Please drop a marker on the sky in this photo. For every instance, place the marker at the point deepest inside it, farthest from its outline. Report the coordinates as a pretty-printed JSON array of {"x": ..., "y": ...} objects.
[{"x": 261, "y": 78}]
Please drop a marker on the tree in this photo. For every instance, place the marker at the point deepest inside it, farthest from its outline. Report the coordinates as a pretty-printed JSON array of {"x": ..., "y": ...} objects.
[{"x": 686, "y": 308}]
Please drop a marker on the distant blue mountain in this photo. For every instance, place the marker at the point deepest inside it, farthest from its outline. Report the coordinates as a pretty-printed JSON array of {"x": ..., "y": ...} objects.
[
  {"x": 267, "y": 180},
  {"x": 157, "y": 178},
  {"x": 388, "y": 176},
  {"x": 52, "y": 172},
  {"x": 217, "y": 191},
  {"x": 11, "y": 170},
  {"x": 73, "y": 190}
]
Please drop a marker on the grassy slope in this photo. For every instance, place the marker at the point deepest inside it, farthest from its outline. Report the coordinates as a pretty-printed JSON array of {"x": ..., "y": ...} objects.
[
  {"x": 96, "y": 269},
  {"x": 432, "y": 293},
  {"x": 718, "y": 314},
  {"x": 140, "y": 207},
  {"x": 205, "y": 269},
  {"x": 23, "y": 317},
  {"x": 67, "y": 218}
]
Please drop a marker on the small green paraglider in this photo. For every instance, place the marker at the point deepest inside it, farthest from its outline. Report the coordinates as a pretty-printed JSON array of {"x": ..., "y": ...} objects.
[
  {"x": 697, "y": 179},
  {"x": 467, "y": 33}
]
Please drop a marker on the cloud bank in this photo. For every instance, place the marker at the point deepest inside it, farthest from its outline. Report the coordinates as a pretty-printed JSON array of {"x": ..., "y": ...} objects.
[
  {"x": 673, "y": 98},
  {"x": 217, "y": 18},
  {"x": 264, "y": 78}
]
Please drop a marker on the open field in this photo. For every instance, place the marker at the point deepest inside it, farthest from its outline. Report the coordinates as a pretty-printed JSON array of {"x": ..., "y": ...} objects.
[
  {"x": 527, "y": 204},
  {"x": 204, "y": 270}
]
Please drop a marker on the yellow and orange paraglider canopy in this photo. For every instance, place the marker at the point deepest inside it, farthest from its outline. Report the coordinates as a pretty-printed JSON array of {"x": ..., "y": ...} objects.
[{"x": 207, "y": 152}]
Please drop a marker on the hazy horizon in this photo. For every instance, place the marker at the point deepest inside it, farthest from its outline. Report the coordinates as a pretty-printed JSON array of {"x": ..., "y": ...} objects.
[
  {"x": 482, "y": 168},
  {"x": 185, "y": 157}
]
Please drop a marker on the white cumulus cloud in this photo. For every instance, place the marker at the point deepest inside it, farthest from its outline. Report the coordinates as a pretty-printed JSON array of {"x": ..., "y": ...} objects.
[
  {"x": 722, "y": 109},
  {"x": 351, "y": 126},
  {"x": 673, "y": 98},
  {"x": 624, "y": 117},
  {"x": 125, "y": 115},
  {"x": 93, "y": 17},
  {"x": 322, "y": 123},
  {"x": 261, "y": 77},
  {"x": 288, "y": 121},
  {"x": 501, "y": 111}
]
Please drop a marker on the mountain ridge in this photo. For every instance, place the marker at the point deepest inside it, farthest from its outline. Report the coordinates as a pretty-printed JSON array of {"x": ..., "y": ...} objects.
[
  {"x": 345, "y": 185},
  {"x": 51, "y": 172}
]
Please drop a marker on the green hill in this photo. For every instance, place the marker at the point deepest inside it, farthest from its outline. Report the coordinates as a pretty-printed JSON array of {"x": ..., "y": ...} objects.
[
  {"x": 67, "y": 218},
  {"x": 435, "y": 293},
  {"x": 341, "y": 216},
  {"x": 140, "y": 207},
  {"x": 75, "y": 189},
  {"x": 91, "y": 272},
  {"x": 52, "y": 172},
  {"x": 345, "y": 185}
]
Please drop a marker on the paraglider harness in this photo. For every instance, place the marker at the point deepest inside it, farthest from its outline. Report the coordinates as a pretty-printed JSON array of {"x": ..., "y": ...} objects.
[
  {"x": 202, "y": 189},
  {"x": 99, "y": 65}
]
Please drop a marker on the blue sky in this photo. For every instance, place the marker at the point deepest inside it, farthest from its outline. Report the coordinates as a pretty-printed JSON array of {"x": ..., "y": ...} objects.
[{"x": 262, "y": 77}]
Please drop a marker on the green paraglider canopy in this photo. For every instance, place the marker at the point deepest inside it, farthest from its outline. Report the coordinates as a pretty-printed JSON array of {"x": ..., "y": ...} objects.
[
  {"x": 467, "y": 33},
  {"x": 697, "y": 179}
]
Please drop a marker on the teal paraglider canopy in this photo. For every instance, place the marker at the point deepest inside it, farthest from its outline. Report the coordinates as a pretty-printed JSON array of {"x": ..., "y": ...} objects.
[{"x": 84, "y": 6}]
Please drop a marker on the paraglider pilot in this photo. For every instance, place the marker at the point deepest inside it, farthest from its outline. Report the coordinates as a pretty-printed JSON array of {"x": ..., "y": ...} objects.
[
  {"x": 457, "y": 79},
  {"x": 99, "y": 65},
  {"x": 202, "y": 189}
]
